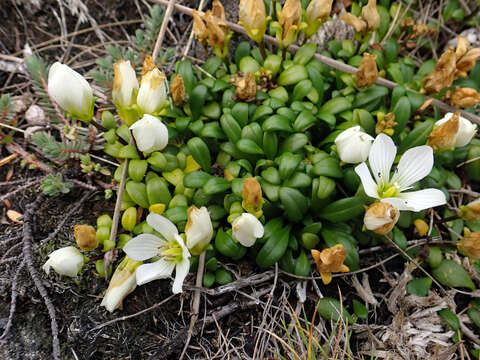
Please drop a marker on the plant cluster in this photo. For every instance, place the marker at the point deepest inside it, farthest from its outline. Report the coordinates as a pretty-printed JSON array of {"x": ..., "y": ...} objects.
[{"x": 273, "y": 156}]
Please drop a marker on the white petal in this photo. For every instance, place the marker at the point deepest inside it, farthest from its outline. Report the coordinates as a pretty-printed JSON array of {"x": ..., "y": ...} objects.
[
  {"x": 116, "y": 294},
  {"x": 185, "y": 252},
  {"x": 181, "y": 272},
  {"x": 418, "y": 200},
  {"x": 414, "y": 165},
  {"x": 160, "y": 269},
  {"x": 353, "y": 145},
  {"x": 143, "y": 247},
  {"x": 162, "y": 225},
  {"x": 381, "y": 157},
  {"x": 246, "y": 229},
  {"x": 367, "y": 181},
  {"x": 466, "y": 132},
  {"x": 66, "y": 261}
]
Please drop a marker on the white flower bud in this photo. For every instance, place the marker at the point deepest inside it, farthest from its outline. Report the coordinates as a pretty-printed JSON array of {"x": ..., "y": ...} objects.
[
  {"x": 65, "y": 261},
  {"x": 150, "y": 134},
  {"x": 246, "y": 229},
  {"x": 71, "y": 91},
  {"x": 153, "y": 92},
  {"x": 124, "y": 83},
  {"x": 353, "y": 145},
  {"x": 466, "y": 130},
  {"x": 199, "y": 229}
]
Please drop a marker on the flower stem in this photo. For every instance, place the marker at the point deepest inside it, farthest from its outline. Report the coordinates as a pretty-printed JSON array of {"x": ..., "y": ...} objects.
[
  {"x": 261, "y": 46},
  {"x": 450, "y": 218},
  {"x": 284, "y": 53},
  {"x": 196, "y": 301}
]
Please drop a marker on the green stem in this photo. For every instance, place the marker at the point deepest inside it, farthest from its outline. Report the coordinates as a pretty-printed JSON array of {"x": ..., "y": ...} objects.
[{"x": 261, "y": 46}]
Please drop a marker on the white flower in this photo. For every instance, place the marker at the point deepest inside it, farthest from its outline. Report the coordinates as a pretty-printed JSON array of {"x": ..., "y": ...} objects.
[
  {"x": 466, "y": 129},
  {"x": 199, "y": 229},
  {"x": 246, "y": 229},
  {"x": 124, "y": 83},
  {"x": 171, "y": 249},
  {"x": 353, "y": 145},
  {"x": 415, "y": 164},
  {"x": 153, "y": 92},
  {"x": 150, "y": 134},
  {"x": 123, "y": 282},
  {"x": 71, "y": 91},
  {"x": 65, "y": 261}
]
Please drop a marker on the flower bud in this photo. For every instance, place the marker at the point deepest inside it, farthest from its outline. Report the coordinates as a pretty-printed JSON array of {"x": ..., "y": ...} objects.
[
  {"x": 152, "y": 95},
  {"x": 150, "y": 134},
  {"x": 464, "y": 97},
  {"x": 444, "y": 134},
  {"x": 470, "y": 244},
  {"x": 177, "y": 89},
  {"x": 199, "y": 229},
  {"x": 66, "y": 261},
  {"x": 246, "y": 229},
  {"x": 246, "y": 87},
  {"x": 317, "y": 12},
  {"x": 123, "y": 282},
  {"x": 358, "y": 24},
  {"x": 289, "y": 21},
  {"x": 71, "y": 91},
  {"x": 125, "y": 84},
  {"x": 466, "y": 129},
  {"x": 367, "y": 73},
  {"x": 85, "y": 236},
  {"x": 252, "y": 196},
  {"x": 253, "y": 18},
  {"x": 381, "y": 217},
  {"x": 421, "y": 226},
  {"x": 370, "y": 15},
  {"x": 353, "y": 145},
  {"x": 471, "y": 211}
]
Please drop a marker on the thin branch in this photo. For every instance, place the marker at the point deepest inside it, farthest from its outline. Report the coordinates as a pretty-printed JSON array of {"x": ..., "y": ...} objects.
[
  {"x": 28, "y": 256},
  {"x": 336, "y": 65},
  {"x": 163, "y": 28}
]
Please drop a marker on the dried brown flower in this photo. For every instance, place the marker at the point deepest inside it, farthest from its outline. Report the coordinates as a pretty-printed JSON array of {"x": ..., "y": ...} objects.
[
  {"x": 246, "y": 87},
  {"x": 148, "y": 64},
  {"x": 177, "y": 89},
  {"x": 330, "y": 260},
  {"x": 85, "y": 236},
  {"x": 471, "y": 211},
  {"x": 252, "y": 196},
  {"x": 370, "y": 15},
  {"x": 463, "y": 97},
  {"x": 443, "y": 74},
  {"x": 367, "y": 73},
  {"x": 199, "y": 28},
  {"x": 467, "y": 62},
  {"x": 443, "y": 137},
  {"x": 470, "y": 244},
  {"x": 386, "y": 124},
  {"x": 358, "y": 24},
  {"x": 381, "y": 217}
]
